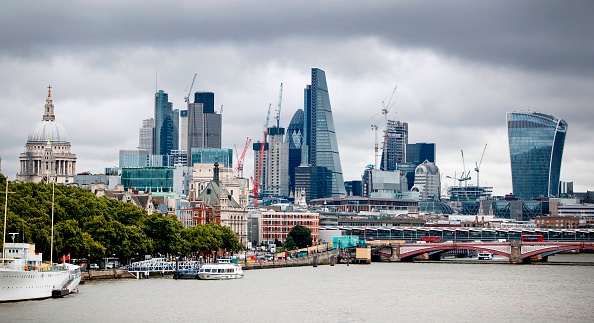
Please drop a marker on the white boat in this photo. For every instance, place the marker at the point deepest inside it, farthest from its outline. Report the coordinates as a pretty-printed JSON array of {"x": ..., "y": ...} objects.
[
  {"x": 223, "y": 269},
  {"x": 483, "y": 255},
  {"x": 23, "y": 276}
]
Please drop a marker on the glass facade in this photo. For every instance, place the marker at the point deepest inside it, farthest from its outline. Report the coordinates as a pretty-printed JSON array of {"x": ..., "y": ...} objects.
[
  {"x": 322, "y": 146},
  {"x": 294, "y": 138},
  {"x": 153, "y": 179},
  {"x": 166, "y": 131},
  {"x": 536, "y": 143},
  {"x": 210, "y": 155}
]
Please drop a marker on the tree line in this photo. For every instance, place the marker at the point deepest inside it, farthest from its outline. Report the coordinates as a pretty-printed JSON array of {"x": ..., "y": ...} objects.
[{"x": 87, "y": 226}]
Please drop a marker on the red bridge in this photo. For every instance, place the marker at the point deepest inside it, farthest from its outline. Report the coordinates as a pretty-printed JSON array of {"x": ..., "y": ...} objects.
[{"x": 517, "y": 251}]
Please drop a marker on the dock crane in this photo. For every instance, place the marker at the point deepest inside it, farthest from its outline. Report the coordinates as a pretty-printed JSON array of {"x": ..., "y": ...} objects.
[
  {"x": 238, "y": 171},
  {"x": 261, "y": 159},
  {"x": 478, "y": 166}
]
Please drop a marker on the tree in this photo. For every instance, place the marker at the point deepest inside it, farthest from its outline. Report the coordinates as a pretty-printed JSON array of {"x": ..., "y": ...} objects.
[
  {"x": 290, "y": 243},
  {"x": 301, "y": 236}
]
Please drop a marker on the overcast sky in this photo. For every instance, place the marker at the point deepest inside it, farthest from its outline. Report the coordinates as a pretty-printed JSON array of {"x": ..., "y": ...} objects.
[{"x": 459, "y": 66}]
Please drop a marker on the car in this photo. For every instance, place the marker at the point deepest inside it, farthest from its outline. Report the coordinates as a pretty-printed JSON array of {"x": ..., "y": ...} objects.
[{"x": 94, "y": 266}]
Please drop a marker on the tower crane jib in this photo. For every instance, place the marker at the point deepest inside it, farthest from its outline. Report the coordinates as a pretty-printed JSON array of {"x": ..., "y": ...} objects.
[{"x": 278, "y": 107}]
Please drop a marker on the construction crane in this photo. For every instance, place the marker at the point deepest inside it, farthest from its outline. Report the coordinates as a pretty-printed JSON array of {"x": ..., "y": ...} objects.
[
  {"x": 374, "y": 127},
  {"x": 187, "y": 97},
  {"x": 278, "y": 107},
  {"x": 385, "y": 109},
  {"x": 261, "y": 159},
  {"x": 238, "y": 171},
  {"x": 478, "y": 166},
  {"x": 465, "y": 176}
]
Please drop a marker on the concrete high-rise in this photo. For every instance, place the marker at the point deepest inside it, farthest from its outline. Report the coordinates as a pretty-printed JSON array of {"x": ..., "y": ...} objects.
[
  {"x": 183, "y": 130},
  {"x": 277, "y": 174},
  {"x": 321, "y": 148},
  {"x": 145, "y": 135},
  {"x": 536, "y": 142},
  {"x": 395, "y": 141},
  {"x": 204, "y": 124}
]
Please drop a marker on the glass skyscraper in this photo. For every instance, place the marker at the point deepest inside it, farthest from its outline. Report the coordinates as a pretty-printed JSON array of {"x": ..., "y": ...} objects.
[
  {"x": 320, "y": 134},
  {"x": 536, "y": 143},
  {"x": 166, "y": 131},
  {"x": 294, "y": 138}
]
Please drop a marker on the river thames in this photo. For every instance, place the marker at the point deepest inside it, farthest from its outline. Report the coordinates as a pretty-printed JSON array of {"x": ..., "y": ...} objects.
[{"x": 470, "y": 291}]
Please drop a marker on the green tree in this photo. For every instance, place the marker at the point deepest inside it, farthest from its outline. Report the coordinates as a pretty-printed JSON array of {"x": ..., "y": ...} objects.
[
  {"x": 290, "y": 243},
  {"x": 301, "y": 236}
]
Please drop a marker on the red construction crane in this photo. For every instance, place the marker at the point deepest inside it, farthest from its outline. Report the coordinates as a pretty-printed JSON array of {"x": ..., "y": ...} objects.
[
  {"x": 238, "y": 171},
  {"x": 261, "y": 160}
]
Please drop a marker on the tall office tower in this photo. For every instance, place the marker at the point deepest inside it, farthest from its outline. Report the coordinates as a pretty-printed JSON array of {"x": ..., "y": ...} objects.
[
  {"x": 536, "y": 143},
  {"x": 416, "y": 154},
  {"x": 427, "y": 181},
  {"x": 420, "y": 152},
  {"x": 294, "y": 138},
  {"x": 145, "y": 135},
  {"x": 204, "y": 124},
  {"x": 257, "y": 147},
  {"x": 277, "y": 163},
  {"x": 166, "y": 133},
  {"x": 320, "y": 134},
  {"x": 183, "y": 130},
  {"x": 395, "y": 140}
]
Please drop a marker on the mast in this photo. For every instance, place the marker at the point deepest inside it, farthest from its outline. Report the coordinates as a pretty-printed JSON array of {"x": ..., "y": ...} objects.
[{"x": 4, "y": 234}]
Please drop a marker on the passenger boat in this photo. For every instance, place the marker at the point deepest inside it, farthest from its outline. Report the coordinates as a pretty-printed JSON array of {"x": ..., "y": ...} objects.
[
  {"x": 23, "y": 276},
  {"x": 223, "y": 269},
  {"x": 483, "y": 255}
]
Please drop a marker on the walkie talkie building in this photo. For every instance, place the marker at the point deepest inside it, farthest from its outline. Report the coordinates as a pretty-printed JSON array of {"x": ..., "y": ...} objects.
[{"x": 536, "y": 143}]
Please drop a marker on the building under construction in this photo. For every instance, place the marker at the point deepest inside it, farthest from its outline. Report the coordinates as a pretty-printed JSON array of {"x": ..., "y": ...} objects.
[{"x": 395, "y": 141}]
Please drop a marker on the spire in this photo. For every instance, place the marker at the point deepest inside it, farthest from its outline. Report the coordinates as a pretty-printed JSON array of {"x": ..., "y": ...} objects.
[
  {"x": 48, "y": 114},
  {"x": 216, "y": 170}
]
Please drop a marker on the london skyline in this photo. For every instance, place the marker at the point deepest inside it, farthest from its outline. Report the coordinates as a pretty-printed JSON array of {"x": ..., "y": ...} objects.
[{"x": 459, "y": 67}]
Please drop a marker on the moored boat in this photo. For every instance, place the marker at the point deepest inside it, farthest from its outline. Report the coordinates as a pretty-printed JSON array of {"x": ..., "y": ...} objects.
[
  {"x": 24, "y": 277},
  {"x": 223, "y": 269}
]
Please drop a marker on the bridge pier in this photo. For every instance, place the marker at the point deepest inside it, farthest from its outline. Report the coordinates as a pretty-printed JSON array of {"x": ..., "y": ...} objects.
[
  {"x": 395, "y": 252},
  {"x": 515, "y": 256}
]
